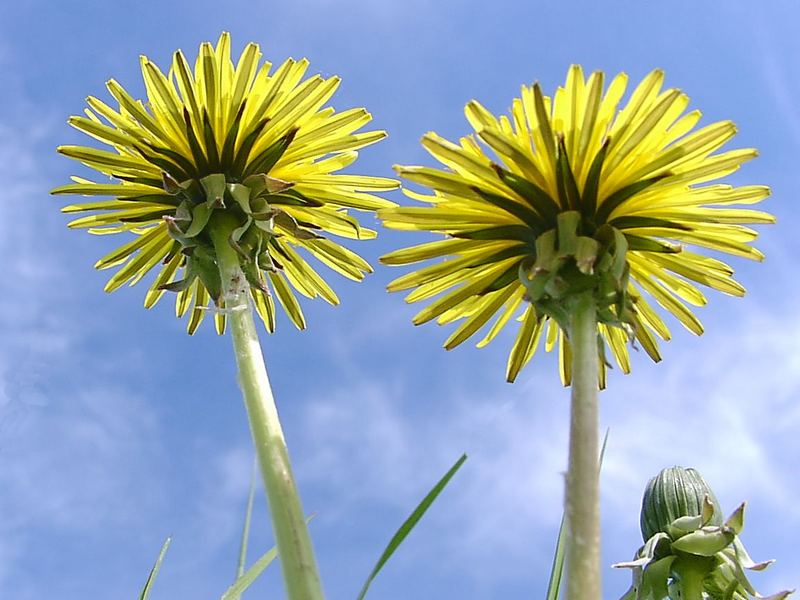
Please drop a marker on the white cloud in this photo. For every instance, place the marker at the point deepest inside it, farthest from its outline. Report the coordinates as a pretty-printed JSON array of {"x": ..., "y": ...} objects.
[
  {"x": 76, "y": 452},
  {"x": 773, "y": 70},
  {"x": 728, "y": 411},
  {"x": 220, "y": 503},
  {"x": 71, "y": 464}
]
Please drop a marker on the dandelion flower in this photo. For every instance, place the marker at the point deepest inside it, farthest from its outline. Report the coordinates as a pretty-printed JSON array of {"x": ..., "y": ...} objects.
[
  {"x": 240, "y": 140},
  {"x": 569, "y": 194}
]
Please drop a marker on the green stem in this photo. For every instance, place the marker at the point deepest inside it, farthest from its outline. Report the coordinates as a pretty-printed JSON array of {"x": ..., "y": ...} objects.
[
  {"x": 692, "y": 588},
  {"x": 296, "y": 553},
  {"x": 583, "y": 496},
  {"x": 690, "y": 576}
]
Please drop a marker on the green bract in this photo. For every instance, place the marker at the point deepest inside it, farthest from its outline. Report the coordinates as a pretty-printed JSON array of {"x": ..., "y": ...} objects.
[{"x": 689, "y": 553}]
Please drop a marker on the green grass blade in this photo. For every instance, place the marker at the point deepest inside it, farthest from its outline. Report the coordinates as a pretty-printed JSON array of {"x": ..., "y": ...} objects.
[
  {"x": 603, "y": 451},
  {"x": 154, "y": 571},
  {"x": 246, "y": 580},
  {"x": 557, "y": 570},
  {"x": 410, "y": 523},
  {"x": 246, "y": 528}
]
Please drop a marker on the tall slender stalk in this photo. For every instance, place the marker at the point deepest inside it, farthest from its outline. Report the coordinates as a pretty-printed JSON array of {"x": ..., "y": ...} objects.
[
  {"x": 296, "y": 553},
  {"x": 583, "y": 495}
]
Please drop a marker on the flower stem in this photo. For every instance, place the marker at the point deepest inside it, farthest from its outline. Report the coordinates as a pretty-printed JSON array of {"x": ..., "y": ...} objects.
[
  {"x": 583, "y": 497},
  {"x": 691, "y": 577},
  {"x": 296, "y": 553}
]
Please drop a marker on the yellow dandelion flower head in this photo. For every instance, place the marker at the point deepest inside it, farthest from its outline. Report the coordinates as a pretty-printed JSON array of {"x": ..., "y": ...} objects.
[
  {"x": 569, "y": 193},
  {"x": 225, "y": 139}
]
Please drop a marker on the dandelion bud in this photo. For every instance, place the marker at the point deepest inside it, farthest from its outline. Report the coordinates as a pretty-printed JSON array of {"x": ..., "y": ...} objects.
[
  {"x": 674, "y": 493},
  {"x": 689, "y": 552}
]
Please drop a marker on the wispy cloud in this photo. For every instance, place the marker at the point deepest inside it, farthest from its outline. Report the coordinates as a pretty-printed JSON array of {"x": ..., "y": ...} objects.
[{"x": 775, "y": 72}]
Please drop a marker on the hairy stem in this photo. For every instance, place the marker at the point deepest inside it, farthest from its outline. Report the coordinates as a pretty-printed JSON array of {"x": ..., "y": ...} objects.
[
  {"x": 296, "y": 553},
  {"x": 583, "y": 497}
]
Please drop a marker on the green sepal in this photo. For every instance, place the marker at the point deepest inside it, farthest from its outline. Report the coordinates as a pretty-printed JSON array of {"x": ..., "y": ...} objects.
[
  {"x": 262, "y": 184},
  {"x": 576, "y": 280},
  {"x": 200, "y": 217},
  {"x": 262, "y": 210},
  {"x": 655, "y": 578},
  {"x": 556, "y": 311},
  {"x": 567, "y": 227},
  {"x": 266, "y": 263},
  {"x": 214, "y": 186},
  {"x": 556, "y": 287},
  {"x": 601, "y": 352},
  {"x": 721, "y": 584},
  {"x": 204, "y": 263},
  {"x": 704, "y": 542},
  {"x": 642, "y": 244},
  {"x": 177, "y": 234},
  {"x": 534, "y": 286},
  {"x": 743, "y": 558},
  {"x": 251, "y": 240},
  {"x": 183, "y": 212},
  {"x": 273, "y": 185},
  {"x": 170, "y": 184},
  {"x": 193, "y": 191},
  {"x": 619, "y": 250},
  {"x": 737, "y": 568},
  {"x": 253, "y": 275},
  {"x": 241, "y": 194},
  {"x": 547, "y": 260},
  {"x": 586, "y": 251},
  {"x": 683, "y": 525},
  {"x": 180, "y": 285},
  {"x": 709, "y": 510},
  {"x": 289, "y": 223},
  {"x": 265, "y": 226},
  {"x": 736, "y": 520}
]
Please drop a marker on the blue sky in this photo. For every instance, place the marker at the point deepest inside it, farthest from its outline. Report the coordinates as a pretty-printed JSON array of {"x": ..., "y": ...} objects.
[{"x": 117, "y": 429}]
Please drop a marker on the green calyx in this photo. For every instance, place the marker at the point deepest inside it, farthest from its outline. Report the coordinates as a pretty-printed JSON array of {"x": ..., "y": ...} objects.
[
  {"x": 568, "y": 262},
  {"x": 256, "y": 207},
  {"x": 689, "y": 552},
  {"x": 579, "y": 244}
]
